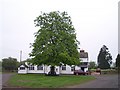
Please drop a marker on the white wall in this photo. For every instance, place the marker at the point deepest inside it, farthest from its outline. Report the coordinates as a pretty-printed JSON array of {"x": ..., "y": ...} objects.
[
  {"x": 67, "y": 71},
  {"x": 57, "y": 69},
  {"x": 35, "y": 70},
  {"x": 77, "y": 68},
  {"x": 84, "y": 59},
  {"x": 46, "y": 70},
  {"x": 86, "y": 69}
]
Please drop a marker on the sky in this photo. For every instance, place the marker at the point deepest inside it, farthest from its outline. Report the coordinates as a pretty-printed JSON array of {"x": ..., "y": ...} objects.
[{"x": 95, "y": 22}]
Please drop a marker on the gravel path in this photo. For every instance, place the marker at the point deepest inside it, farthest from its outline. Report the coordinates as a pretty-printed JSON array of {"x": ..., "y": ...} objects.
[{"x": 102, "y": 81}]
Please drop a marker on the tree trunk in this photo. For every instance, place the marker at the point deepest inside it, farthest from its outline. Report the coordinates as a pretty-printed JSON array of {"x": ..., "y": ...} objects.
[{"x": 52, "y": 71}]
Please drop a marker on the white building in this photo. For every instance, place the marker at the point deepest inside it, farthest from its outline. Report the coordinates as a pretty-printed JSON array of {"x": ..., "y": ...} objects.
[{"x": 64, "y": 69}]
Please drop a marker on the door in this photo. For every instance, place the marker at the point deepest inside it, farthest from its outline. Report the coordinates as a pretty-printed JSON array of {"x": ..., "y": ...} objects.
[{"x": 82, "y": 68}]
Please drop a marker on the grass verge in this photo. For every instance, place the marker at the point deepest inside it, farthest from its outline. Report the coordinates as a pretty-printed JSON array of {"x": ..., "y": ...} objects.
[{"x": 42, "y": 81}]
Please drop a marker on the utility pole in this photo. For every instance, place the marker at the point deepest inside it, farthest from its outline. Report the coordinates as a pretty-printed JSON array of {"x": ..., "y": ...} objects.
[{"x": 20, "y": 56}]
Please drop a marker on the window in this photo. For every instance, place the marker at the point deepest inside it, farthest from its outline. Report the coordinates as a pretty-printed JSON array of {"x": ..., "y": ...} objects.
[
  {"x": 72, "y": 68},
  {"x": 22, "y": 68},
  {"x": 64, "y": 67},
  {"x": 31, "y": 67},
  {"x": 85, "y": 63},
  {"x": 40, "y": 67},
  {"x": 56, "y": 69}
]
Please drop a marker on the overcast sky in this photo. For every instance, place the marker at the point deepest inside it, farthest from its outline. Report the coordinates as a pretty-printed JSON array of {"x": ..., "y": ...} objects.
[{"x": 95, "y": 21}]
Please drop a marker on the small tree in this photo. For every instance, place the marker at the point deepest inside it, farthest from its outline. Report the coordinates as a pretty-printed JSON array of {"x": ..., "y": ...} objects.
[
  {"x": 92, "y": 65},
  {"x": 55, "y": 41},
  {"x": 104, "y": 58},
  {"x": 118, "y": 62},
  {"x": 0, "y": 66}
]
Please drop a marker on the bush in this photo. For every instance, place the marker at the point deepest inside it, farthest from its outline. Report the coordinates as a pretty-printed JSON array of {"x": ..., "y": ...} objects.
[{"x": 109, "y": 71}]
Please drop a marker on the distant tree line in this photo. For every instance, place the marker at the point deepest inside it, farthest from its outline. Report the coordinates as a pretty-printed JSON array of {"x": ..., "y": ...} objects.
[{"x": 9, "y": 64}]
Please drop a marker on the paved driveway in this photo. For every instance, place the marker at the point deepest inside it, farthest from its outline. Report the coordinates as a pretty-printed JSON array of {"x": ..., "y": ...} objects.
[
  {"x": 0, "y": 81},
  {"x": 5, "y": 78},
  {"x": 102, "y": 81}
]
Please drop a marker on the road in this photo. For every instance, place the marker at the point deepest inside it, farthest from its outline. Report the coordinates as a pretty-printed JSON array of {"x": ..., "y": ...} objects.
[{"x": 102, "y": 81}]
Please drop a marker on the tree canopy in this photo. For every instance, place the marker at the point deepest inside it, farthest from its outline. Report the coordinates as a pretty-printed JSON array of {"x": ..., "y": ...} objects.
[
  {"x": 104, "y": 58},
  {"x": 55, "y": 41}
]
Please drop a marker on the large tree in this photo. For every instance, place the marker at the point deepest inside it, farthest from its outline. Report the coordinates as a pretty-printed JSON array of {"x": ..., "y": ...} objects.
[
  {"x": 9, "y": 64},
  {"x": 104, "y": 58},
  {"x": 55, "y": 42}
]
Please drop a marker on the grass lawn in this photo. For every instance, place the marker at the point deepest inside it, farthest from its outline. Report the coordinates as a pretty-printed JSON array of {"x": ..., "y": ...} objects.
[{"x": 42, "y": 81}]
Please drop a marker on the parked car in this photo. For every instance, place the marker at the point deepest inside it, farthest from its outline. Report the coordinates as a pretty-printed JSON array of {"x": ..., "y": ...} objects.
[{"x": 80, "y": 72}]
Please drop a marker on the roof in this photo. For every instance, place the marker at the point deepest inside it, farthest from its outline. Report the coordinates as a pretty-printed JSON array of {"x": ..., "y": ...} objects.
[
  {"x": 83, "y": 54},
  {"x": 23, "y": 65}
]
